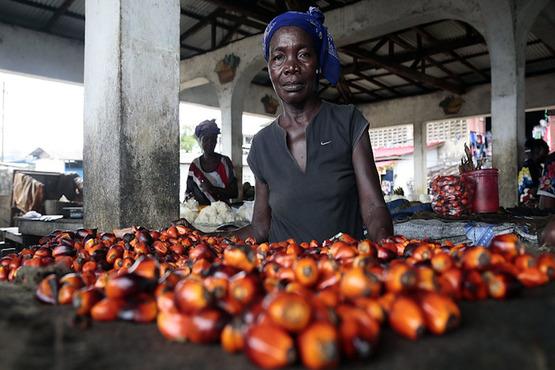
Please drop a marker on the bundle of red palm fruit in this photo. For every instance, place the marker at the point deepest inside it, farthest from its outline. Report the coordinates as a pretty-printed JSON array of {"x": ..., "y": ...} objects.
[{"x": 277, "y": 302}]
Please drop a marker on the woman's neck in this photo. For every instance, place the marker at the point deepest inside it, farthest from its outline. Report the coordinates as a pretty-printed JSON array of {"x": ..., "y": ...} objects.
[{"x": 300, "y": 114}]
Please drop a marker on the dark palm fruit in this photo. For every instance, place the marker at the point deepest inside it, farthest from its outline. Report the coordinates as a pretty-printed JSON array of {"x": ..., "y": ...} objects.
[
  {"x": 47, "y": 290},
  {"x": 140, "y": 309},
  {"x": 206, "y": 326},
  {"x": 406, "y": 318},
  {"x": 473, "y": 286},
  {"x": 319, "y": 346},
  {"x": 85, "y": 299},
  {"x": 400, "y": 277},
  {"x": 546, "y": 264},
  {"x": 501, "y": 285},
  {"x": 127, "y": 285},
  {"x": 269, "y": 346},
  {"x": 441, "y": 313}
]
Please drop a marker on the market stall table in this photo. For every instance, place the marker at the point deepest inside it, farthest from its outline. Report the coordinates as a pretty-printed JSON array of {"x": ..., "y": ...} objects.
[{"x": 514, "y": 334}]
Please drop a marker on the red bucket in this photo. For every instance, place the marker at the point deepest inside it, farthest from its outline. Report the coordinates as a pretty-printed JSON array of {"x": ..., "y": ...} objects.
[{"x": 486, "y": 193}]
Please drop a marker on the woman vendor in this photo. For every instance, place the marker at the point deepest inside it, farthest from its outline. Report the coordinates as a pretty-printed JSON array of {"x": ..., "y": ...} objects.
[
  {"x": 211, "y": 177},
  {"x": 314, "y": 169}
]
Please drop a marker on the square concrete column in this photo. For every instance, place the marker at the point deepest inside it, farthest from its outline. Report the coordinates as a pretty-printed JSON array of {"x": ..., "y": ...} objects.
[
  {"x": 232, "y": 130},
  {"x": 420, "y": 158},
  {"x": 131, "y": 146}
]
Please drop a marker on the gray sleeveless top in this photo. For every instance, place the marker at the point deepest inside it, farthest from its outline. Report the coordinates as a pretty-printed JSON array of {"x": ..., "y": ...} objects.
[{"x": 322, "y": 201}]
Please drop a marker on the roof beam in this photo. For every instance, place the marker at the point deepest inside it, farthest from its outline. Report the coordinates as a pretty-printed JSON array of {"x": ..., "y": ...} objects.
[
  {"x": 57, "y": 14},
  {"x": 199, "y": 25},
  {"x": 48, "y": 8},
  {"x": 244, "y": 20},
  {"x": 378, "y": 83},
  {"x": 224, "y": 26},
  {"x": 403, "y": 71},
  {"x": 249, "y": 11}
]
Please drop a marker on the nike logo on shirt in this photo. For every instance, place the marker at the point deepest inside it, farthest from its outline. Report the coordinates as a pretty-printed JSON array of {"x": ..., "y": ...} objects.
[{"x": 325, "y": 142}]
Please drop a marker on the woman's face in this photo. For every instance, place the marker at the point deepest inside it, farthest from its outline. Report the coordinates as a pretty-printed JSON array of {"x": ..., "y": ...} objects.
[
  {"x": 292, "y": 65},
  {"x": 208, "y": 143}
]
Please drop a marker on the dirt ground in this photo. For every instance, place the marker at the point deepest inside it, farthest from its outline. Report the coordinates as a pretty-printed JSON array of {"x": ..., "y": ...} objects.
[{"x": 517, "y": 334}]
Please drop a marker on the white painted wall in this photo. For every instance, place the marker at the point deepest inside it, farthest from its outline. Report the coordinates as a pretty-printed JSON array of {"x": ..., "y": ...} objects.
[{"x": 40, "y": 54}]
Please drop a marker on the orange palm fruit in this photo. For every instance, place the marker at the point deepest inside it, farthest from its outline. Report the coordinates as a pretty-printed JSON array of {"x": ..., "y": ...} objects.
[
  {"x": 72, "y": 279},
  {"x": 508, "y": 245},
  {"x": 241, "y": 257},
  {"x": 356, "y": 283},
  {"x": 147, "y": 267},
  {"x": 47, "y": 290},
  {"x": 89, "y": 266},
  {"x": 476, "y": 258},
  {"x": 442, "y": 262},
  {"x": 441, "y": 313},
  {"x": 233, "y": 336},
  {"x": 140, "y": 309},
  {"x": 406, "y": 317},
  {"x": 501, "y": 285},
  {"x": 107, "y": 309},
  {"x": 386, "y": 301},
  {"x": 217, "y": 286},
  {"x": 352, "y": 346},
  {"x": 369, "y": 329},
  {"x": 173, "y": 325},
  {"x": 328, "y": 281},
  {"x": 127, "y": 285},
  {"x": 65, "y": 294},
  {"x": 372, "y": 307},
  {"x": 426, "y": 279},
  {"x": 319, "y": 346},
  {"x": 532, "y": 277},
  {"x": 400, "y": 277},
  {"x": 166, "y": 302},
  {"x": 244, "y": 288},
  {"x": 191, "y": 296},
  {"x": 422, "y": 253},
  {"x": 290, "y": 311},
  {"x": 328, "y": 297},
  {"x": 306, "y": 271},
  {"x": 114, "y": 253},
  {"x": 524, "y": 261},
  {"x": 201, "y": 267},
  {"x": 85, "y": 299},
  {"x": 546, "y": 264},
  {"x": 367, "y": 248},
  {"x": 269, "y": 346},
  {"x": 473, "y": 286}
]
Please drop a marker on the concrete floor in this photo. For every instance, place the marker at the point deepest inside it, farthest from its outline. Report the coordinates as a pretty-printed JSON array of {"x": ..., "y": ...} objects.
[{"x": 517, "y": 334}]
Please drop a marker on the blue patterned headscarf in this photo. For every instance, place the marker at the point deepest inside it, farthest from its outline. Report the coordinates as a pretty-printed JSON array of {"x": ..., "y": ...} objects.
[
  {"x": 312, "y": 22},
  {"x": 208, "y": 127}
]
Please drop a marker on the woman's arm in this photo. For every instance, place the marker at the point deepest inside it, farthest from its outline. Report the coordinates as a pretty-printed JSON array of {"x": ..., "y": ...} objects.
[
  {"x": 374, "y": 212},
  {"x": 261, "y": 217}
]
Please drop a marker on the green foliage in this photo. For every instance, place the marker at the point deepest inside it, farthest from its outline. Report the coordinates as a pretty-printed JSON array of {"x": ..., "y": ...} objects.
[{"x": 187, "y": 142}]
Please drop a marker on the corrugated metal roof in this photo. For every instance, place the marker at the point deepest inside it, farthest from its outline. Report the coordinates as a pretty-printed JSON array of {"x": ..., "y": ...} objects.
[{"x": 78, "y": 7}]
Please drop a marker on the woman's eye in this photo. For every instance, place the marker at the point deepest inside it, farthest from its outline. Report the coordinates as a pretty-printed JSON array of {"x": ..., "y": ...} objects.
[{"x": 277, "y": 58}]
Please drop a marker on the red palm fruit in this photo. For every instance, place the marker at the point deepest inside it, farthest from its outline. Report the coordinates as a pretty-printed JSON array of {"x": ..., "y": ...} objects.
[
  {"x": 328, "y": 281},
  {"x": 306, "y": 271},
  {"x": 442, "y": 262},
  {"x": 290, "y": 311},
  {"x": 127, "y": 285},
  {"x": 478, "y": 258},
  {"x": 546, "y": 264},
  {"x": 115, "y": 252},
  {"x": 107, "y": 309},
  {"x": 369, "y": 329},
  {"x": 201, "y": 251},
  {"x": 217, "y": 286},
  {"x": 296, "y": 288},
  {"x": 140, "y": 309},
  {"x": 244, "y": 288},
  {"x": 85, "y": 299},
  {"x": 4, "y": 271},
  {"x": 165, "y": 302},
  {"x": 501, "y": 285},
  {"x": 47, "y": 290},
  {"x": 385, "y": 255},
  {"x": 532, "y": 277},
  {"x": 72, "y": 279},
  {"x": 147, "y": 267},
  {"x": 191, "y": 296},
  {"x": 286, "y": 273},
  {"x": 269, "y": 346},
  {"x": 328, "y": 297},
  {"x": 497, "y": 259},
  {"x": 89, "y": 266},
  {"x": 173, "y": 325},
  {"x": 233, "y": 336},
  {"x": 422, "y": 253},
  {"x": 206, "y": 326},
  {"x": 367, "y": 248},
  {"x": 201, "y": 267},
  {"x": 65, "y": 294},
  {"x": 473, "y": 286},
  {"x": 524, "y": 261},
  {"x": 400, "y": 277},
  {"x": 356, "y": 283},
  {"x": 319, "y": 346},
  {"x": 372, "y": 307},
  {"x": 441, "y": 313},
  {"x": 406, "y": 318},
  {"x": 508, "y": 245},
  {"x": 386, "y": 301},
  {"x": 426, "y": 279},
  {"x": 161, "y": 247}
]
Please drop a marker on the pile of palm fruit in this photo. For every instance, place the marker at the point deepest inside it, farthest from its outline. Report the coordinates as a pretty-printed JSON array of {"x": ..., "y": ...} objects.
[{"x": 319, "y": 303}]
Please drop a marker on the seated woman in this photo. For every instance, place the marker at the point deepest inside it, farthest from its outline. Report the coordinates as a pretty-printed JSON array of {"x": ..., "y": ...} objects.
[
  {"x": 211, "y": 176},
  {"x": 536, "y": 151},
  {"x": 314, "y": 170}
]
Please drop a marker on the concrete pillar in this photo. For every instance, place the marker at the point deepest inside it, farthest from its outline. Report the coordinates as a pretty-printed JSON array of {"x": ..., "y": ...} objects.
[
  {"x": 506, "y": 33},
  {"x": 420, "y": 158},
  {"x": 131, "y": 146},
  {"x": 232, "y": 128}
]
